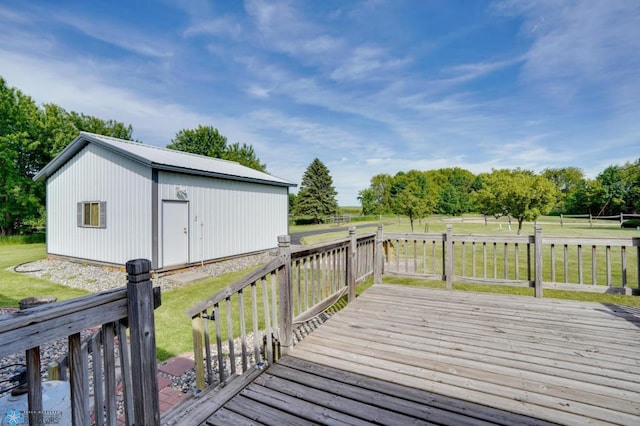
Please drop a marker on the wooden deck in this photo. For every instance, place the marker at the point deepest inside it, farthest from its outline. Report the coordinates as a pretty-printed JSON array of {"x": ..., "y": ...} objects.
[{"x": 404, "y": 355}]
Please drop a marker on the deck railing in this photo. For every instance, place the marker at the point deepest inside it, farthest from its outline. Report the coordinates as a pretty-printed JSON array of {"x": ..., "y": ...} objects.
[
  {"x": 570, "y": 263},
  {"x": 253, "y": 320},
  {"x": 113, "y": 312}
]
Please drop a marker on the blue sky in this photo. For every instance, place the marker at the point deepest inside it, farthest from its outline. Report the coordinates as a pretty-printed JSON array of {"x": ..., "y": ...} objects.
[{"x": 367, "y": 87}]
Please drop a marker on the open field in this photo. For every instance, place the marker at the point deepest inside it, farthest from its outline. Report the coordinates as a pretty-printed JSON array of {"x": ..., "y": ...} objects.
[{"x": 474, "y": 224}]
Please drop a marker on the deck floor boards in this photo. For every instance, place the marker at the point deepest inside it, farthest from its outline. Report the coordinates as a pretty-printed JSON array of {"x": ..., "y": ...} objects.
[{"x": 406, "y": 355}]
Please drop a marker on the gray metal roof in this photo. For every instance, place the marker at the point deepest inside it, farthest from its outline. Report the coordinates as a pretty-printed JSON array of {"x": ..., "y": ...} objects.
[{"x": 162, "y": 159}]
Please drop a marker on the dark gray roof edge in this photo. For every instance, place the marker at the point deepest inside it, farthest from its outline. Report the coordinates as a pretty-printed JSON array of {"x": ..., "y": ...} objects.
[
  {"x": 77, "y": 145},
  {"x": 197, "y": 172},
  {"x": 84, "y": 138}
]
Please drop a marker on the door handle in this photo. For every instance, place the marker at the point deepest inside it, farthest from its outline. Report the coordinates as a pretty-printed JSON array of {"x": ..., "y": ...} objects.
[{"x": 185, "y": 230}]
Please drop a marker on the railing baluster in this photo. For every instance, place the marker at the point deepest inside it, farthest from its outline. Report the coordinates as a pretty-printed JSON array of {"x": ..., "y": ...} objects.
[
  {"x": 84, "y": 350},
  {"x": 529, "y": 261},
  {"x": 108, "y": 335},
  {"x": 232, "y": 352},
  {"x": 125, "y": 369},
  {"x": 473, "y": 258},
  {"x": 516, "y": 256},
  {"x": 313, "y": 278},
  {"x": 464, "y": 259},
  {"x": 254, "y": 318},
  {"x": 433, "y": 257},
  {"x": 484, "y": 259},
  {"x": 267, "y": 321},
  {"x": 495, "y": 260},
  {"x": 553, "y": 263},
  {"x": 593, "y": 265},
  {"x": 298, "y": 282},
  {"x": 580, "y": 274},
  {"x": 78, "y": 415},
  {"x": 566, "y": 263},
  {"x": 216, "y": 316},
  {"x": 274, "y": 301},
  {"x": 623, "y": 261},
  {"x": 608, "y": 264},
  {"x": 98, "y": 383},
  {"x": 424, "y": 257},
  {"x": 207, "y": 346},
  {"x": 305, "y": 270},
  {"x": 506, "y": 261},
  {"x": 243, "y": 331},
  {"x": 197, "y": 330}
]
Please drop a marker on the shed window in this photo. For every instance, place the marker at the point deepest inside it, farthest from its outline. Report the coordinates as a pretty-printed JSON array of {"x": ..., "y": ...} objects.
[{"x": 92, "y": 214}]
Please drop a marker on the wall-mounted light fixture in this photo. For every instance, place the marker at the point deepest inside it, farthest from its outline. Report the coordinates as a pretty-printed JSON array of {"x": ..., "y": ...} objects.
[{"x": 181, "y": 192}]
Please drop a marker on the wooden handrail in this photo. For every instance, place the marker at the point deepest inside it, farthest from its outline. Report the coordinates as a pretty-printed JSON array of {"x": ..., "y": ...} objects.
[
  {"x": 407, "y": 255},
  {"x": 299, "y": 284},
  {"x": 29, "y": 329},
  {"x": 38, "y": 325},
  {"x": 235, "y": 287}
]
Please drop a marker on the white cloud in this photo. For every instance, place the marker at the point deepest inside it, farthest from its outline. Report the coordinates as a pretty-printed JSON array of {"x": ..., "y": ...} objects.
[
  {"x": 283, "y": 28},
  {"x": 219, "y": 26},
  {"x": 367, "y": 62},
  {"x": 125, "y": 37}
]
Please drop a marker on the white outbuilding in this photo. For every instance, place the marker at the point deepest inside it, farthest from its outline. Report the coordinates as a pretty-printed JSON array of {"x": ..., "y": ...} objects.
[{"x": 110, "y": 200}]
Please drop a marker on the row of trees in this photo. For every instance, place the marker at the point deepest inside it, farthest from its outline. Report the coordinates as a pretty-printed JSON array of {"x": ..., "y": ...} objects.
[
  {"x": 520, "y": 194},
  {"x": 32, "y": 135}
]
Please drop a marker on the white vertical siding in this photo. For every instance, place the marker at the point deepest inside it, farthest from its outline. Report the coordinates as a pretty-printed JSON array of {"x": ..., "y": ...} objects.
[
  {"x": 227, "y": 217},
  {"x": 96, "y": 174}
]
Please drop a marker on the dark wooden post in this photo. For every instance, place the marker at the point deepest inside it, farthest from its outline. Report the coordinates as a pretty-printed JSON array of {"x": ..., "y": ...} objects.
[
  {"x": 449, "y": 258},
  {"x": 378, "y": 263},
  {"x": 352, "y": 264},
  {"x": 34, "y": 385},
  {"x": 286, "y": 295},
  {"x": 538, "y": 260},
  {"x": 561, "y": 220},
  {"x": 143, "y": 342}
]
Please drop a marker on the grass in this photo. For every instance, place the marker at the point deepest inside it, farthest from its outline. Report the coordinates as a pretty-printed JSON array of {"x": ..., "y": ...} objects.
[{"x": 15, "y": 286}]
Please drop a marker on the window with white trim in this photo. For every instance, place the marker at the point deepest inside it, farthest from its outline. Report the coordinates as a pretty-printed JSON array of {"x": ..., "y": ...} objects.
[{"x": 92, "y": 214}]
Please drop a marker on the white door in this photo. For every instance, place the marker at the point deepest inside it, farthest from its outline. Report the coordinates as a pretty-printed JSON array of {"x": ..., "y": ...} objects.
[{"x": 175, "y": 233}]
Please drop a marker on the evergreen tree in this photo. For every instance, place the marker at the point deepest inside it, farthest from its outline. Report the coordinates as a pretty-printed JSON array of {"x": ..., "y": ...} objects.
[{"x": 317, "y": 196}]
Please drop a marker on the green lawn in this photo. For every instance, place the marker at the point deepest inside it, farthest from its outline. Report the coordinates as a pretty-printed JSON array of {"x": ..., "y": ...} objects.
[{"x": 15, "y": 286}]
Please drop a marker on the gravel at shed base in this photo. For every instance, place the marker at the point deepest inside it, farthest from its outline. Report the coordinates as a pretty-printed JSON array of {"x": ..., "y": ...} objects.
[{"x": 100, "y": 278}]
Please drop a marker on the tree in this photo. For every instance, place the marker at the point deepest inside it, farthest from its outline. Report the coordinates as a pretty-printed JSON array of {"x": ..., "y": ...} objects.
[
  {"x": 567, "y": 181},
  {"x": 632, "y": 183},
  {"x": 244, "y": 155},
  {"x": 317, "y": 196},
  {"x": 516, "y": 193},
  {"x": 30, "y": 136},
  {"x": 377, "y": 198},
  {"x": 454, "y": 190},
  {"x": 207, "y": 140},
  {"x": 413, "y": 195}
]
